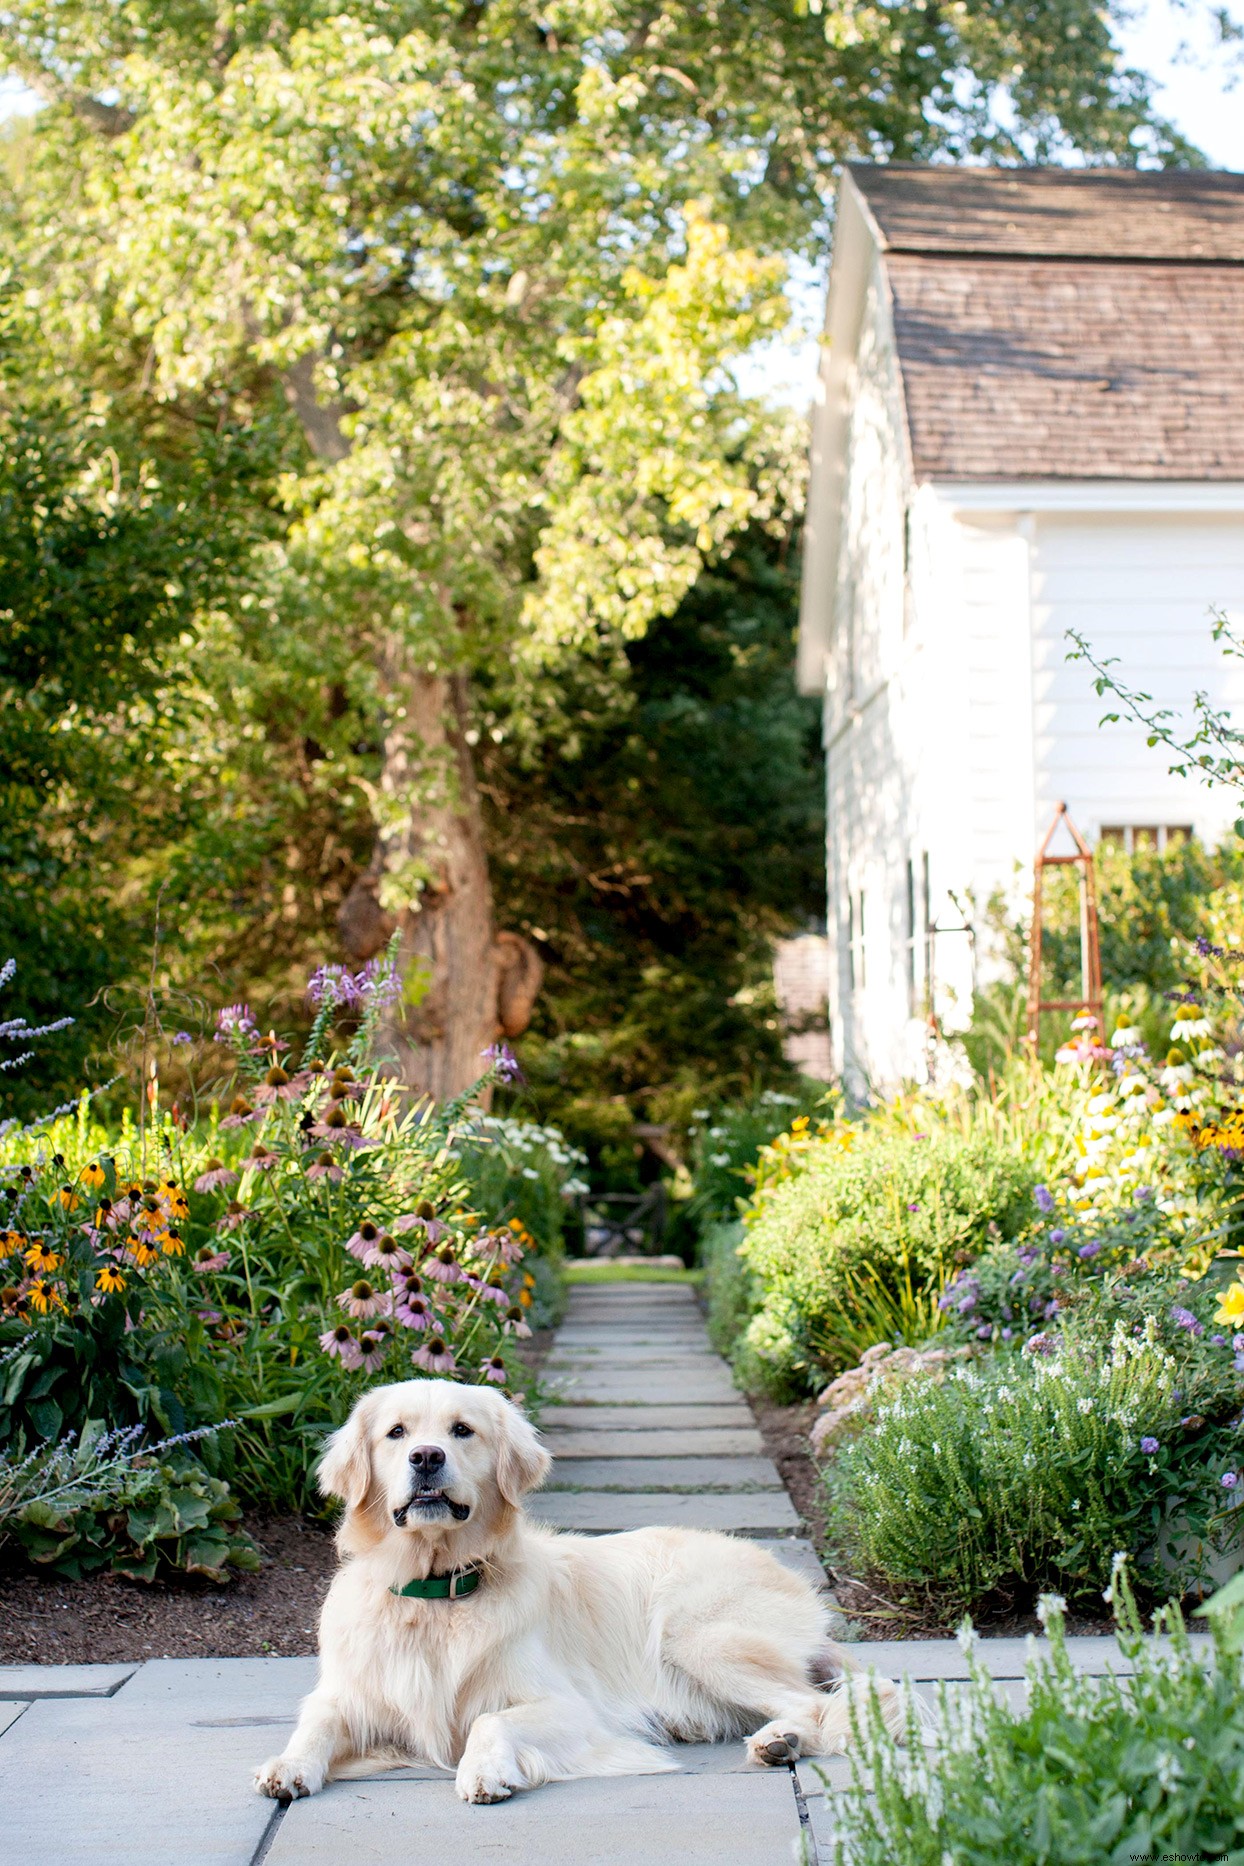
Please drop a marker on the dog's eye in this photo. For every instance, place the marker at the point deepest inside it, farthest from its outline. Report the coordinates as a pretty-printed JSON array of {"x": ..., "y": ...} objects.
[
  {"x": 398, "y": 1431},
  {"x": 462, "y": 1431}
]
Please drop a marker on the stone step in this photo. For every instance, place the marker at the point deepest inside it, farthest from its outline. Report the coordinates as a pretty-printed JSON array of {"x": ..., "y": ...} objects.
[
  {"x": 664, "y": 1474},
  {"x": 702, "y": 1441},
  {"x": 584, "y": 1416},
  {"x": 639, "y": 1388},
  {"x": 598, "y": 1512}
]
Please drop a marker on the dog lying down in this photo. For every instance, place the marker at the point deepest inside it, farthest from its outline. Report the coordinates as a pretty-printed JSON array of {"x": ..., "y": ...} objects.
[{"x": 460, "y": 1634}]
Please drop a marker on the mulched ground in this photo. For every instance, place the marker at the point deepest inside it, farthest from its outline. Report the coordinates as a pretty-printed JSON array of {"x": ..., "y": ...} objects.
[{"x": 49, "y": 1621}]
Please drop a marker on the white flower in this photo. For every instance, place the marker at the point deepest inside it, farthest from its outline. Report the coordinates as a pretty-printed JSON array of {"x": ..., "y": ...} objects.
[
  {"x": 719, "y": 1159},
  {"x": 1126, "y": 1037},
  {"x": 1084, "y": 1405}
]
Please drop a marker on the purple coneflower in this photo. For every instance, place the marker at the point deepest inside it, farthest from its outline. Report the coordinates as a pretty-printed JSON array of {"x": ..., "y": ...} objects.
[
  {"x": 414, "y": 1312},
  {"x": 325, "y": 1167},
  {"x": 260, "y": 1159},
  {"x": 339, "y": 1341},
  {"x": 443, "y": 1266},
  {"x": 363, "y": 1239},
  {"x": 435, "y": 1355},
  {"x": 363, "y": 1299},
  {"x": 209, "y": 1260},
  {"x": 215, "y": 1177},
  {"x": 372, "y": 1351},
  {"x": 233, "y": 1216},
  {"x": 433, "y": 1229},
  {"x": 515, "y": 1323},
  {"x": 386, "y": 1254},
  {"x": 494, "y": 1370}
]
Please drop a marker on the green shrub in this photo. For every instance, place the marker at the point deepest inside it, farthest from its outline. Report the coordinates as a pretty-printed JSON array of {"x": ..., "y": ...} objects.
[
  {"x": 1029, "y": 1471},
  {"x": 898, "y": 1211},
  {"x": 106, "y": 1500},
  {"x": 725, "y": 1144},
  {"x": 729, "y": 1287},
  {"x": 1091, "y": 1771}
]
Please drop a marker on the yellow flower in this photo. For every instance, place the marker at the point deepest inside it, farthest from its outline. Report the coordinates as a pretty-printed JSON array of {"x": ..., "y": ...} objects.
[
  {"x": 109, "y": 1279},
  {"x": 142, "y": 1253},
  {"x": 9, "y": 1242},
  {"x": 172, "y": 1244},
  {"x": 66, "y": 1197},
  {"x": 45, "y": 1296},
  {"x": 1231, "y": 1305},
  {"x": 93, "y": 1175},
  {"x": 41, "y": 1258}
]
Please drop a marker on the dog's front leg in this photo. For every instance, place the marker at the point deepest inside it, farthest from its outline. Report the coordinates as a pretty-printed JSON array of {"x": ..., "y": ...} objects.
[
  {"x": 516, "y": 1748},
  {"x": 302, "y": 1769}
]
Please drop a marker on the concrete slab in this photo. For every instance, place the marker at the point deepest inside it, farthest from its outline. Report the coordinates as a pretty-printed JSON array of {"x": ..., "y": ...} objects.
[
  {"x": 664, "y": 1474},
  {"x": 63, "y": 1681},
  {"x": 602, "y": 1512},
  {"x": 928, "y": 1659},
  {"x": 642, "y": 1820},
  {"x": 648, "y": 1352},
  {"x": 640, "y": 1388},
  {"x": 703, "y": 1441},
  {"x": 89, "y": 1782},
  {"x": 608, "y": 1416},
  {"x": 9, "y": 1714},
  {"x": 795, "y": 1552}
]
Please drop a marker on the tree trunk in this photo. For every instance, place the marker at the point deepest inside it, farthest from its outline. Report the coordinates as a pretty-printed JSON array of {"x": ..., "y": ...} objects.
[{"x": 463, "y": 984}]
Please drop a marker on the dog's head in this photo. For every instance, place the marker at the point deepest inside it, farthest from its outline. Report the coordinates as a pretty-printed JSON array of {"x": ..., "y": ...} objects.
[{"x": 432, "y": 1459}]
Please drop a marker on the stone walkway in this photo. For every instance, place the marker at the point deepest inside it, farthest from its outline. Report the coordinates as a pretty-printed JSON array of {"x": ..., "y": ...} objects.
[{"x": 150, "y": 1765}]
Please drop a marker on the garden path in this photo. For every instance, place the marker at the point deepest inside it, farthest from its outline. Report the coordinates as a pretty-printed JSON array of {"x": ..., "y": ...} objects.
[{"x": 149, "y": 1765}]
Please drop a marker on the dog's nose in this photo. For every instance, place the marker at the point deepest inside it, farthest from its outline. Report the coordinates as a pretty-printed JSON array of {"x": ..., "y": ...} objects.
[{"x": 426, "y": 1459}]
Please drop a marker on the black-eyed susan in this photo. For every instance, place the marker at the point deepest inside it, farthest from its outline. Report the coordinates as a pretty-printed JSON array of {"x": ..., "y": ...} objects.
[
  {"x": 109, "y": 1279},
  {"x": 172, "y": 1243},
  {"x": 66, "y": 1197},
  {"x": 11, "y": 1241},
  {"x": 41, "y": 1258},
  {"x": 93, "y": 1175},
  {"x": 142, "y": 1251},
  {"x": 44, "y": 1296},
  {"x": 13, "y": 1300}
]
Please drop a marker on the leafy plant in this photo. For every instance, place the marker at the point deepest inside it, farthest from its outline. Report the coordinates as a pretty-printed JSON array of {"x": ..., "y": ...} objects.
[
  {"x": 874, "y": 1211},
  {"x": 1143, "y": 1763},
  {"x": 1030, "y": 1471},
  {"x": 108, "y": 1500}
]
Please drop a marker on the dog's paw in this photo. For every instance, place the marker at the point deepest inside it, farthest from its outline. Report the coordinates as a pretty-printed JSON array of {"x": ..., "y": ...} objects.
[
  {"x": 773, "y": 1746},
  {"x": 287, "y": 1778},
  {"x": 480, "y": 1787}
]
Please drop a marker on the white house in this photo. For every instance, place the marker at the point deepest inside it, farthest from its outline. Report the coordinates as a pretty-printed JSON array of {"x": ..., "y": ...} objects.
[{"x": 1030, "y": 420}]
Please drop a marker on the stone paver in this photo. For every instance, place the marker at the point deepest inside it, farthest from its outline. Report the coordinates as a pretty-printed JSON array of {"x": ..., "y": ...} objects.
[
  {"x": 641, "y": 1388},
  {"x": 697, "y": 1473},
  {"x": 601, "y": 1512},
  {"x": 710, "y": 1442},
  {"x": 590, "y": 1417},
  {"x": 62, "y": 1681},
  {"x": 634, "y": 1820}
]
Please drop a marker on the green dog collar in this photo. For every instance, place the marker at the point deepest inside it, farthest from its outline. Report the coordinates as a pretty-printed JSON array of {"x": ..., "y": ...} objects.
[{"x": 451, "y": 1586}]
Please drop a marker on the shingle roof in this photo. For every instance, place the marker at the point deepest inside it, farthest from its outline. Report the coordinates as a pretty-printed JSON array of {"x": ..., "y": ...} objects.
[{"x": 1056, "y": 324}]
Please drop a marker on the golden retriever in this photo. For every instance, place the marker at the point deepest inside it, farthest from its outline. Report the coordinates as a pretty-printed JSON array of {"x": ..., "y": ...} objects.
[{"x": 571, "y": 1655}]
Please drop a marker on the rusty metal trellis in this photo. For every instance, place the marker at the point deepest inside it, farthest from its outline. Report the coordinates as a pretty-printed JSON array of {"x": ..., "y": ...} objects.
[{"x": 1090, "y": 998}]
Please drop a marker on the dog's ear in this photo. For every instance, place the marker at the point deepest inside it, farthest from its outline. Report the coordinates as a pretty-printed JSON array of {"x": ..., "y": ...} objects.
[
  {"x": 345, "y": 1468},
  {"x": 522, "y": 1461}
]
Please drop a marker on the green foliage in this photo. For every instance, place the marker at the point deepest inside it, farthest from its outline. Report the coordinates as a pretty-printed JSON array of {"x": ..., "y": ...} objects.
[
  {"x": 1143, "y": 1763},
  {"x": 1027, "y": 1472},
  {"x": 902, "y": 1208},
  {"x": 160, "y": 1519},
  {"x": 729, "y": 1288},
  {"x": 655, "y": 864}
]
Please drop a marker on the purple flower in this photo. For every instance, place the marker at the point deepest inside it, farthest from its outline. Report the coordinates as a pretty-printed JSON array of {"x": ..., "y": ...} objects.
[
  {"x": 1088, "y": 1250},
  {"x": 503, "y": 1062},
  {"x": 1218, "y": 1341},
  {"x": 1043, "y": 1198},
  {"x": 1050, "y": 1310},
  {"x": 375, "y": 983},
  {"x": 984, "y": 1331},
  {"x": 1184, "y": 1318},
  {"x": 1027, "y": 1255},
  {"x": 183, "y": 1036},
  {"x": 236, "y": 1021},
  {"x": 1238, "y": 1363},
  {"x": 1057, "y": 1236},
  {"x": 1229, "y": 1480},
  {"x": 1143, "y": 1194},
  {"x": 1148, "y": 1446},
  {"x": 1007, "y": 1333},
  {"x": 913, "y": 1206}
]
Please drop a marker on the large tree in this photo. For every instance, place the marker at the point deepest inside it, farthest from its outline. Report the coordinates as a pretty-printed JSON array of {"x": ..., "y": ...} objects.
[{"x": 494, "y": 261}]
